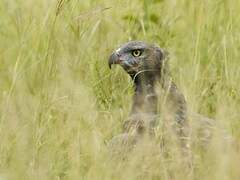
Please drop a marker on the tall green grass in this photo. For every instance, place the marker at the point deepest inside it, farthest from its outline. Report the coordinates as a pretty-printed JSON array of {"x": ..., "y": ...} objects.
[{"x": 60, "y": 104}]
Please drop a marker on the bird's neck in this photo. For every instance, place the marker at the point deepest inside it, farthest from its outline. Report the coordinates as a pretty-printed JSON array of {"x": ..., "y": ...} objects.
[{"x": 145, "y": 99}]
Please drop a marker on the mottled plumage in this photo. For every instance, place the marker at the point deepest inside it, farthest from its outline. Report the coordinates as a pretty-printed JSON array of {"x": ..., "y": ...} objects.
[{"x": 147, "y": 66}]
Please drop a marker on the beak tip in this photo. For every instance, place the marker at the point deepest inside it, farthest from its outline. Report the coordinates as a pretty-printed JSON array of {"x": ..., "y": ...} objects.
[{"x": 112, "y": 60}]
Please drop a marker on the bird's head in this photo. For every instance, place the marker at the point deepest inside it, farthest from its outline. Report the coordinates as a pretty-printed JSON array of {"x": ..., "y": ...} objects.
[{"x": 137, "y": 56}]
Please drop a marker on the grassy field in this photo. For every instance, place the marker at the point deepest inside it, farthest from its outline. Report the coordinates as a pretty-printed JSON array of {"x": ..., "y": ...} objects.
[{"x": 60, "y": 104}]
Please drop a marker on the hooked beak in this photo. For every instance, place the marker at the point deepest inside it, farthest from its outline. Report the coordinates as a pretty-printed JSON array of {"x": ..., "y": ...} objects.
[{"x": 113, "y": 59}]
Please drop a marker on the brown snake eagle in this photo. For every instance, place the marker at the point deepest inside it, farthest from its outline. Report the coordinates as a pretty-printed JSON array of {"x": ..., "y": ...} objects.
[{"x": 147, "y": 66}]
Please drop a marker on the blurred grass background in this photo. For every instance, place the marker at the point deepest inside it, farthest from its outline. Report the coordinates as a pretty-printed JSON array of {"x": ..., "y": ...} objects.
[{"x": 60, "y": 104}]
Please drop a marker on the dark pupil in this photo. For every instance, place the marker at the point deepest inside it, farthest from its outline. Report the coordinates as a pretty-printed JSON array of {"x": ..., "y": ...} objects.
[{"x": 136, "y": 53}]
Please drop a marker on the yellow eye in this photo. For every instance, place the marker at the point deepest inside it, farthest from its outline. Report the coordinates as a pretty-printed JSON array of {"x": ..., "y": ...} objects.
[{"x": 136, "y": 53}]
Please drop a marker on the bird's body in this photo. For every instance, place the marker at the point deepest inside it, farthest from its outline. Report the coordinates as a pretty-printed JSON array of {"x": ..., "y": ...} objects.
[
  {"x": 146, "y": 64},
  {"x": 156, "y": 96}
]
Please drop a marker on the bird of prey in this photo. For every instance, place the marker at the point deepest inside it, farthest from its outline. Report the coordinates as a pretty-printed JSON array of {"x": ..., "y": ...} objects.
[{"x": 147, "y": 65}]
